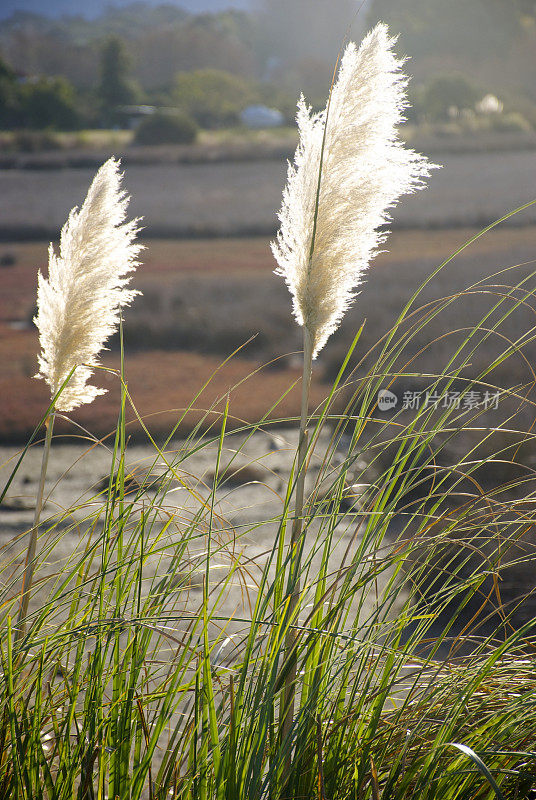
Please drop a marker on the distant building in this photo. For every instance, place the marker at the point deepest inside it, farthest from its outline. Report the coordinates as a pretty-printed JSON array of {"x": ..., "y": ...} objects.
[
  {"x": 490, "y": 104},
  {"x": 22, "y": 77},
  {"x": 262, "y": 117},
  {"x": 130, "y": 116}
]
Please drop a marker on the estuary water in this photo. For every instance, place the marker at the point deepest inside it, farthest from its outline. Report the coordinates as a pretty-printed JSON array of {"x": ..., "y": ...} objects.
[{"x": 229, "y": 198}]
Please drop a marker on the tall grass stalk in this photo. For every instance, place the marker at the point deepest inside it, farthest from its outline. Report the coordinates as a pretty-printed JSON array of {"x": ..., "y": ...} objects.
[
  {"x": 349, "y": 168},
  {"x": 78, "y": 308},
  {"x": 175, "y": 647},
  {"x": 287, "y": 707}
]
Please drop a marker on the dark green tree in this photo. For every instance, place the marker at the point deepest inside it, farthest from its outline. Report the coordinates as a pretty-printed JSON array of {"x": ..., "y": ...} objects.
[
  {"x": 9, "y": 96},
  {"x": 214, "y": 98},
  {"x": 489, "y": 42},
  {"x": 116, "y": 87}
]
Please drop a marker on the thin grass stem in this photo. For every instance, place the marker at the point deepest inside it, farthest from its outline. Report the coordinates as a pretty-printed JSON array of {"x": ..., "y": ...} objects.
[
  {"x": 32, "y": 545},
  {"x": 289, "y": 691}
]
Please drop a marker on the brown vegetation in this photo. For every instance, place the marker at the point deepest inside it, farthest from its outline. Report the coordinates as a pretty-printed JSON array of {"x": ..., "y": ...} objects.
[{"x": 203, "y": 299}]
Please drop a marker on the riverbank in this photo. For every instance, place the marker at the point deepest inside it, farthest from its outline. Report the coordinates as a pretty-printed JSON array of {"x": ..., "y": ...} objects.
[{"x": 87, "y": 149}]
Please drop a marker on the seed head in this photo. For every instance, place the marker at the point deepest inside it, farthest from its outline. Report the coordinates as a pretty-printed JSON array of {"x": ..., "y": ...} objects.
[
  {"x": 78, "y": 305},
  {"x": 349, "y": 169}
]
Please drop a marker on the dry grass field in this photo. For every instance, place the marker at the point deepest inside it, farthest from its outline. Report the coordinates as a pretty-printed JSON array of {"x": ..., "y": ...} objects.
[{"x": 163, "y": 379}]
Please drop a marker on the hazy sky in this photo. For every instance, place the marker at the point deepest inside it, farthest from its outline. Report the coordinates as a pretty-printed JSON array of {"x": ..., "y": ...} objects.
[{"x": 93, "y": 7}]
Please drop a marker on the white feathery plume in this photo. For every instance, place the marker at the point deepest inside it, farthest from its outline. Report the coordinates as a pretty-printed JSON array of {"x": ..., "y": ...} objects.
[
  {"x": 344, "y": 178},
  {"x": 79, "y": 303}
]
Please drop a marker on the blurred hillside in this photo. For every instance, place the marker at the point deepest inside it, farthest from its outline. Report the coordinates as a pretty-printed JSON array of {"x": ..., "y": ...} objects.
[
  {"x": 55, "y": 8},
  {"x": 496, "y": 38},
  {"x": 274, "y": 39},
  {"x": 159, "y": 41},
  {"x": 491, "y": 42},
  {"x": 209, "y": 65}
]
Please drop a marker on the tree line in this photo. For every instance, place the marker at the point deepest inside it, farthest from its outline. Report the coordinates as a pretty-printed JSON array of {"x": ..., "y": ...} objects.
[{"x": 71, "y": 72}]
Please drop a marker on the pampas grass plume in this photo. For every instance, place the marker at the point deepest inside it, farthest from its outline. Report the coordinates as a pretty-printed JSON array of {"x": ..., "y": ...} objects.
[
  {"x": 80, "y": 301},
  {"x": 349, "y": 169}
]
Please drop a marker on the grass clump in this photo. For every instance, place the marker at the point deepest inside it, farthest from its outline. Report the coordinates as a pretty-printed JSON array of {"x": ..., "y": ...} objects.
[{"x": 155, "y": 654}]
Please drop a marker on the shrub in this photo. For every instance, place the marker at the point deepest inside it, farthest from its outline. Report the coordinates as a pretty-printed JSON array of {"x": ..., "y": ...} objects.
[
  {"x": 214, "y": 98},
  {"x": 446, "y": 91},
  {"x": 510, "y": 123},
  {"x": 167, "y": 129}
]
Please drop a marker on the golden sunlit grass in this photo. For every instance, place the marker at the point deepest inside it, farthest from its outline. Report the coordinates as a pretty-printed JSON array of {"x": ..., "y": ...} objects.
[{"x": 133, "y": 680}]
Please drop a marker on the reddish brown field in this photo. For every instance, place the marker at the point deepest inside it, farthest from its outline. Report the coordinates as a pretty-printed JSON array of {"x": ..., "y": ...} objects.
[
  {"x": 164, "y": 260},
  {"x": 163, "y": 381},
  {"x": 162, "y": 384}
]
